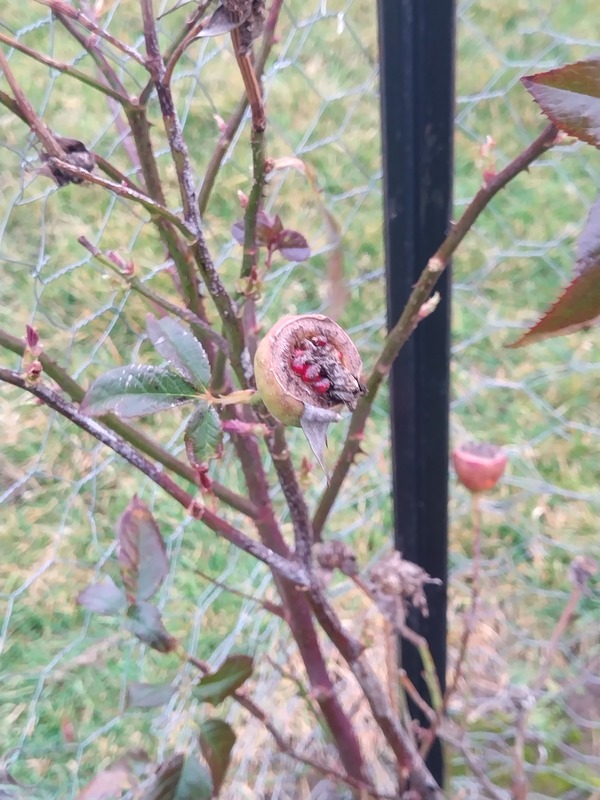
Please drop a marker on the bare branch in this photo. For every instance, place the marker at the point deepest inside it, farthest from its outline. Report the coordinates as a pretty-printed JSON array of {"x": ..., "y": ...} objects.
[
  {"x": 141, "y": 288},
  {"x": 401, "y": 331},
  {"x": 235, "y": 121},
  {"x": 66, "y": 10},
  {"x": 66, "y": 69},
  {"x": 282, "y": 566}
]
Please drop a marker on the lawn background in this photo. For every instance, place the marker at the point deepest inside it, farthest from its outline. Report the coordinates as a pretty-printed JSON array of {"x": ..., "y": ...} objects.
[{"x": 62, "y": 494}]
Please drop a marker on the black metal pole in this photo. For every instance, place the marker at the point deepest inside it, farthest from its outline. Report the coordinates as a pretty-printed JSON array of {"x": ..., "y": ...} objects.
[{"x": 417, "y": 104}]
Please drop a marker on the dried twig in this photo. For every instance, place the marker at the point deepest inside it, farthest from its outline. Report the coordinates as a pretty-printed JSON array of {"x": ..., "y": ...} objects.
[{"x": 66, "y": 69}]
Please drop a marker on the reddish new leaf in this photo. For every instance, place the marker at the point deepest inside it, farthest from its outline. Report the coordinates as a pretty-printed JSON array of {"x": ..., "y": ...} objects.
[
  {"x": 142, "y": 554},
  {"x": 216, "y": 742},
  {"x": 570, "y": 98},
  {"x": 577, "y": 307},
  {"x": 588, "y": 244},
  {"x": 579, "y": 304},
  {"x": 268, "y": 229},
  {"x": 292, "y": 245}
]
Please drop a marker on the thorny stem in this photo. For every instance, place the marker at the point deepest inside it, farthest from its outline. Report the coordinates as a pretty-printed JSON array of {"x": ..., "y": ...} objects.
[
  {"x": 66, "y": 69},
  {"x": 237, "y": 117},
  {"x": 135, "y": 437},
  {"x": 271, "y": 608},
  {"x": 402, "y": 329},
  {"x": 411, "y": 764},
  {"x": 66, "y": 14},
  {"x": 250, "y": 259},
  {"x": 26, "y": 111},
  {"x": 89, "y": 44},
  {"x": 298, "y": 615},
  {"x": 286, "y": 746},
  {"x": 155, "y": 209},
  {"x": 191, "y": 23},
  {"x": 172, "y": 61},
  {"x": 250, "y": 254},
  {"x": 177, "y": 249},
  {"x": 101, "y": 162},
  {"x": 281, "y": 566},
  {"x": 193, "y": 223},
  {"x": 293, "y": 495},
  {"x": 251, "y": 83}
]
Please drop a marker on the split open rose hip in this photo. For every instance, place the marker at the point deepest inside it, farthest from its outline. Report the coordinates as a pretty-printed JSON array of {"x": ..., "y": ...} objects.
[{"x": 307, "y": 369}]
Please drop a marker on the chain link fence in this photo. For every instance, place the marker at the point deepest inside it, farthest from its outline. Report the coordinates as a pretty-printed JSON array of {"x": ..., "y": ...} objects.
[{"x": 64, "y": 674}]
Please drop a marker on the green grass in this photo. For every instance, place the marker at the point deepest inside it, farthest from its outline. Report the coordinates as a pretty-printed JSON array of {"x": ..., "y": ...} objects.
[{"x": 58, "y": 528}]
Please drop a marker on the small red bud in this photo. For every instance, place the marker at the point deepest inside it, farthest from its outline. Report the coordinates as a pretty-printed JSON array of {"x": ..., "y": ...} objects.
[
  {"x": 243, "y": 198},
  {"x": 221, "y": 124},
  {"x": 479, "y": 466},
  {"x": 32, "y": 340}
]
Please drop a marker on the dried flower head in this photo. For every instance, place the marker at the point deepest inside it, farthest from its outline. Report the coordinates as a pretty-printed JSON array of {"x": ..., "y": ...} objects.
[
  {"x": 397, "y": 585},
  {"x": 307, "y": 369},
  {"x": 479, "y": 465},
  {"x": 335, "y": 554},
  {"x": 76, "y": 154},
  {"x": 307, "y": 360}
]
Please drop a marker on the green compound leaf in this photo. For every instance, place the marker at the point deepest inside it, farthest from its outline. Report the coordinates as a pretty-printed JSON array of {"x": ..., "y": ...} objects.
[
  {"x": 203, "y": 434},
  {"x": 136, "y": 390},
  {"x": 214, "y": 688},
  {"x": 181, "y": 349}
]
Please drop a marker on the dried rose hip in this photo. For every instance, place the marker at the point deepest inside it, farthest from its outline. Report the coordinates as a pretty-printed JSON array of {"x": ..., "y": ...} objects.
[
  {"x": 307, "y": 364},
  {"x": 479, "y": 465}
]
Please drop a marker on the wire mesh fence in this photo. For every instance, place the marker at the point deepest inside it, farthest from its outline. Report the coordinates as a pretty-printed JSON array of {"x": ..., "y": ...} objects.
[{"x": 63, "y": 674}]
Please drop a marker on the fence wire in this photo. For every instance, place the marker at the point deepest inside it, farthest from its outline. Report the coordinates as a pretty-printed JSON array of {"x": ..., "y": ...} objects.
[{"x": 64, "y": 674}]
